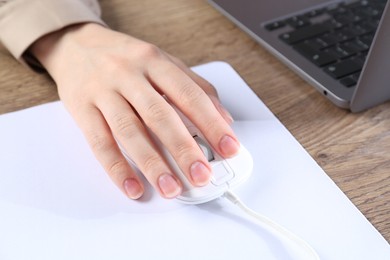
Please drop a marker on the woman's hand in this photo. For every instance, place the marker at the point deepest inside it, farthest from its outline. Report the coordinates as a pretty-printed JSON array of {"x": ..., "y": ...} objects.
[{"x": 113, "y": 85}]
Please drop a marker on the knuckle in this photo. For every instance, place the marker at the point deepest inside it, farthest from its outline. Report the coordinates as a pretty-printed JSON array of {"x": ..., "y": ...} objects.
[
  {"x": 149, "y": 51},
  {"x": 98, "y": 142},
  {"x": 150, "y": 162},
  {"x": 126, "y": 125},
  {"x": 157, "y": 113},
  {"x": 117, "y": 168},
  {"x": 212, "y": 126},
  {"x": 189, "y": 95},
  {"x": 183, "y": 151}
]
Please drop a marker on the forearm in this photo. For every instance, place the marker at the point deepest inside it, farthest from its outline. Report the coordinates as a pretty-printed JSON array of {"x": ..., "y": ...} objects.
[{"x": 55, "y": 49}]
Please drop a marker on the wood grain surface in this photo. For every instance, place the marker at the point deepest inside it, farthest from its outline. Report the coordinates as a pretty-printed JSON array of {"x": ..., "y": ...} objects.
[{"x": 353, "y": 149}]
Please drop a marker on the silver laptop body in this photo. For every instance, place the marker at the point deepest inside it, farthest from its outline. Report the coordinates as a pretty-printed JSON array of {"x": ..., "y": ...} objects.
[{"x": 373, "y": 82}]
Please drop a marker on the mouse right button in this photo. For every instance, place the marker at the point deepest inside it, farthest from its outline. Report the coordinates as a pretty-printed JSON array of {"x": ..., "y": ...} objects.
[{"x": 221, "y": 174}]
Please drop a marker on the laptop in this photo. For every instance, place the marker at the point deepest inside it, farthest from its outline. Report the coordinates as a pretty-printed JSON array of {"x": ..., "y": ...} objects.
[{"x": 342, "y": 48}]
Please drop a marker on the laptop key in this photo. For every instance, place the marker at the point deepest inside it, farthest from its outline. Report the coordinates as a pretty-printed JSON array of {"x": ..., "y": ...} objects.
[
  {"x": 356, "y": 76},
  {"x": 346, "y": 34},
  {"x": 316, "y": 43},
  {"x": 367, "y": 39},
  {"x": 354, "y": 46},
  {"x": 339, "y": 52},
  {"x": 343, "y": 68},
  {"x": 317, "y": 57},
  {"x": 274, "y": 25},
  {"x": 298, "y": 21},
  {"x": 329, "y": 39},
  {"x": 348, "y": 81},
  {"x": 305, "y": 33}
]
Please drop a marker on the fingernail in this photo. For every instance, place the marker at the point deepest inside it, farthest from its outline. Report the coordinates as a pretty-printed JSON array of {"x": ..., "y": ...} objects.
[
  {"x": 169, "y": 186},
  {"x": 133, "y": 188},
  {"x": 228, "y": 146},
  {"x": 200, "y": 174}
]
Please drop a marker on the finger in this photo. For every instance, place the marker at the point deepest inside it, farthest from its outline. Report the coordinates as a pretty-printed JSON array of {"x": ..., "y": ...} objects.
[
  {"x": 133, "y": 137},
  {"x": 108, "y": 153},
  {"x": 165, "y": 123},
  {"x": 196, "y": 105},
  {"x": 206, "y": 86}
]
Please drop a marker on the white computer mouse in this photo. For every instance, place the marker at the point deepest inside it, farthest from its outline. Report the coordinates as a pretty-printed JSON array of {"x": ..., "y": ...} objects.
[{"x": 226, "y": 173}]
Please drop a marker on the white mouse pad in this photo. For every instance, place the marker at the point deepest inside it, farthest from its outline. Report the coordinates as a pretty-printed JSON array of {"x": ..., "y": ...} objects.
[{"x": 56, "y": 202}]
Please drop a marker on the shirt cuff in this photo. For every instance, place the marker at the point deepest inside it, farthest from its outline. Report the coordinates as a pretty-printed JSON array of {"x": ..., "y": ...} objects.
[{"x": 22, "y": 22}]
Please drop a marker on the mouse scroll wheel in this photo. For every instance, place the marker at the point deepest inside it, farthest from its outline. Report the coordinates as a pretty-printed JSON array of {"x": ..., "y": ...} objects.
[{"x": 205, "y": 148}]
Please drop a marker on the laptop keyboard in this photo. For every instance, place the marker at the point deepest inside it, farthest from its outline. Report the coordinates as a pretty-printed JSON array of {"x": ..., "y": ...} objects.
[{"x": 335, "y": 38}]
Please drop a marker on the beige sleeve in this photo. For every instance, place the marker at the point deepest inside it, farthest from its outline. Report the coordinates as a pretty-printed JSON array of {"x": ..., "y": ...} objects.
[{"x": 22, "y": 22}]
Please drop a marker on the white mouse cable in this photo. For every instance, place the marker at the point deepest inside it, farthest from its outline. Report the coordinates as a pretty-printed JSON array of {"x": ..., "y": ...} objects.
[{"x": 283, "y": 231}]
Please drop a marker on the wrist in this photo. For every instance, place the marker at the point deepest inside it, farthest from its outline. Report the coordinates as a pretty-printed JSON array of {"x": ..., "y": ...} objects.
[{"x": 52, "y": 50}]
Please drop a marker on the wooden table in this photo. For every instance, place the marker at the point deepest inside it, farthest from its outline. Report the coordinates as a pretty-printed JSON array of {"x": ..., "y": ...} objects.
[{"x": 353, "y": 149}]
